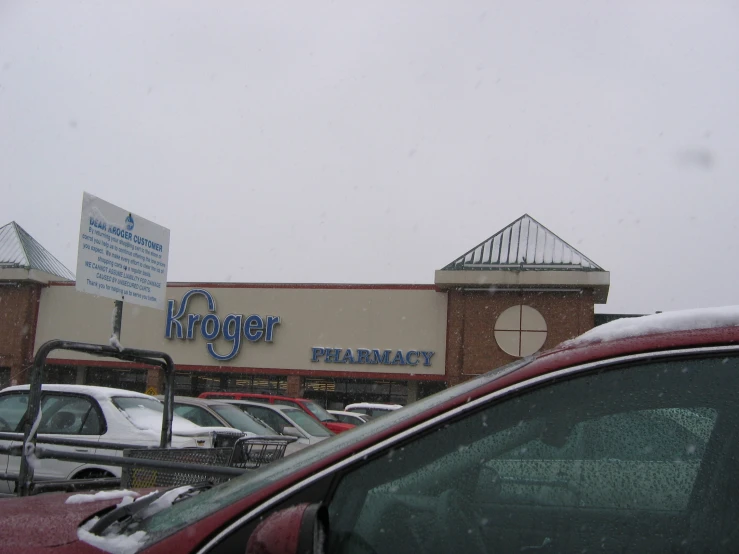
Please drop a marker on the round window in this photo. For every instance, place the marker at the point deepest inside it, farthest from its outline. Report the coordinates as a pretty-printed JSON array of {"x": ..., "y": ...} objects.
[{"x": 520, "y": 331}]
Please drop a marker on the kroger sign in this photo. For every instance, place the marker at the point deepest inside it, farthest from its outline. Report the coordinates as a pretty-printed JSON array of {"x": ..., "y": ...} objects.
[{"x": 233, "y": 327}]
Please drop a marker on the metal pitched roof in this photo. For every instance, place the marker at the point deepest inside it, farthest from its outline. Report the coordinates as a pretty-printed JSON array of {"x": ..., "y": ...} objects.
[
  {"x": 21, "y": 250},
  {"x": 524, "y": 244}
]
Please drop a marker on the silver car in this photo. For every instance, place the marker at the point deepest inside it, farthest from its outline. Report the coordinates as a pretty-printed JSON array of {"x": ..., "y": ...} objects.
[
  {"x": 286, "y": 420},
  {"x": 208, "y": 412}
]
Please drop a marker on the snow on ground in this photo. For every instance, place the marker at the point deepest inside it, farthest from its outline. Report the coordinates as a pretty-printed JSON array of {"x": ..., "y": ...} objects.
[
  {"x": 702, "y": 318},
  {"x": 102, "y": 495}
]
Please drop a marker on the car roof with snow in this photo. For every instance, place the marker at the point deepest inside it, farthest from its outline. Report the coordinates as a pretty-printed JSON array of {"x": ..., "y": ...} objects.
[
  {"x": 373, "y": 406},
  {"x": 195, "y": 401},
  {"x": 276, "y": 407},
  {"x": 655, "y": 324},
  {"x": 98, "y": 393}
]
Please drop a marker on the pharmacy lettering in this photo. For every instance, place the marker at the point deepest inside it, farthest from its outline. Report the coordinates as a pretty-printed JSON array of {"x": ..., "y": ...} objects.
[
  {"x": 254, "y": 327},
  {"x": 367, "y": 356}
]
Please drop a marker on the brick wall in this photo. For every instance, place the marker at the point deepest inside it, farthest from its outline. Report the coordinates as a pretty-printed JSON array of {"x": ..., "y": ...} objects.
[
  {"x": 471, "y": 345},
  {"x": 18, "y": 316}
]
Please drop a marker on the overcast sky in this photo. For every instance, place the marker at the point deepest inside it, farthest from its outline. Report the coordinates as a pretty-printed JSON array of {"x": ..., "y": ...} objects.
[{"x": 375, "y": 142}]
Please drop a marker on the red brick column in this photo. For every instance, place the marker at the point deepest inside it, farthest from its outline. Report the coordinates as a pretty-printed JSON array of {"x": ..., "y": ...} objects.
[{"x": 295, "y": 386}]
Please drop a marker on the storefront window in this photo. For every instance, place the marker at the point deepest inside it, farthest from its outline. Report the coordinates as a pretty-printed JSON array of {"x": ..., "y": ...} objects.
[
  {"x": 127, "y": 379},
  {"x": 59, "y": 375},
  {"x": 334, "y": 394},
  {"x": 193, "y": 383},
  {"x": 4, "y": 377}
]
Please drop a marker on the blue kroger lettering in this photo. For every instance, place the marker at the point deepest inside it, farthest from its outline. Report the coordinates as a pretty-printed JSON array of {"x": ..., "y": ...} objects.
[
  {"x": 370, "y": 357},
  {"x": 231, "y": 329}
]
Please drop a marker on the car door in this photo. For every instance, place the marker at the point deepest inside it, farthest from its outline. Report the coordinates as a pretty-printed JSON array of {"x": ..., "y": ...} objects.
[
  {"x": 630, "y": 457},
  {"x": 70, "y": 416},
  {"x": 13, "y": 406}
]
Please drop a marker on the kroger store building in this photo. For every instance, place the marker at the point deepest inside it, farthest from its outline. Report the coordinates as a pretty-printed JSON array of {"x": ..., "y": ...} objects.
[{"x": 522, "y": 290}]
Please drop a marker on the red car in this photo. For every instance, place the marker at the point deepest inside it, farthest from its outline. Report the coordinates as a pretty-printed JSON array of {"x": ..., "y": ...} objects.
[
  {"x": 625, "y": 439},
  {"x": 308, "y": 406}
]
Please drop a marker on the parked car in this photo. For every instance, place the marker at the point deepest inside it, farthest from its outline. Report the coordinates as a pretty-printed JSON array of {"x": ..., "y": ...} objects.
[
  {"x": 624, "y": 439},
  {"x": 286, "y": 420},
  {"x": 355, "y": 418},
  {"x": 308, "y": 406},
  {"x": 207, "y": 412},
  {"x": 371, "y": 408},
  {"x": 90, "y": 413}
]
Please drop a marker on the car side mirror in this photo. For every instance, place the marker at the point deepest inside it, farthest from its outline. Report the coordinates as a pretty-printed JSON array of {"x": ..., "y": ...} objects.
[
  {"x": 291, "y": 431},
  {"x": 301, "y": 529}
]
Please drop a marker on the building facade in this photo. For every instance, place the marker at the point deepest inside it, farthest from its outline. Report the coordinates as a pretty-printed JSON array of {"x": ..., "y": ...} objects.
[{"x": 520, "y": 291}]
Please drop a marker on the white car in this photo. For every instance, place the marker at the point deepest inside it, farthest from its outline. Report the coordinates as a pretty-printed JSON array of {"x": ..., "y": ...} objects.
[
  {"x": 372, "y": 409},
  {"x": 91, "y": 413},
  {"x": 355, "y": 418}
]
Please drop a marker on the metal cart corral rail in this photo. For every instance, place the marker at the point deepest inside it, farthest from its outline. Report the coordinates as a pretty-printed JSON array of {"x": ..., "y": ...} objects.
[{"x": 246, "y": 453}]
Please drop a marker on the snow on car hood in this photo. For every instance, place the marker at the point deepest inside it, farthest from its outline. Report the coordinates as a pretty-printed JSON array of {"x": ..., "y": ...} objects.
[
  {"x": 150, "y": 420},
  {"x": 683, "y": 320}
]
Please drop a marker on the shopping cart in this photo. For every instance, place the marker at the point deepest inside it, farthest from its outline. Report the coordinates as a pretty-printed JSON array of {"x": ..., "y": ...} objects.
[{"x": 247, "y": 453}]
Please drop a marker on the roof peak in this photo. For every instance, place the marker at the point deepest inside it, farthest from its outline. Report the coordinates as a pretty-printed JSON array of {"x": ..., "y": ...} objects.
[
  {"x": 524, "y": 244},
  {"x": 18, "y": 249}
]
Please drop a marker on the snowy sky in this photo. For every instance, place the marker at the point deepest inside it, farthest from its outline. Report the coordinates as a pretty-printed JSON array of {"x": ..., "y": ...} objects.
[{"x": 375, "y": 142}]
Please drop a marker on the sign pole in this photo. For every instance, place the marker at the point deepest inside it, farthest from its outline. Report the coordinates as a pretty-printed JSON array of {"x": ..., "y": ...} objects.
[{"x": 117, "y": 320}]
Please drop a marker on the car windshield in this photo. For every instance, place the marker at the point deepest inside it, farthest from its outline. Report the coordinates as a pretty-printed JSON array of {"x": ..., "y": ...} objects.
[
  {"x": 319, "y": 412},
  {"x": 307, "y": 423},
  {"x": 185, "y": 513},
  {"x": 242, "y": 420}
]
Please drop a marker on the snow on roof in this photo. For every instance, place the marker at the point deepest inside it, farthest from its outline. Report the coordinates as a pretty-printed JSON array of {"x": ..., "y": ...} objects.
[
  {"x": 98, "y": 393},
  {"x": 683, "y": 320},
  {"x": 19, "y": 249},
  {"x": 524, "y": 244},
  {"x": 373, "y": 406}
]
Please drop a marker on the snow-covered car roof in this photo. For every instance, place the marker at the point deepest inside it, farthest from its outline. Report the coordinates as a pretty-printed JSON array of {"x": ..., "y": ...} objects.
[
  {"x": 195, "y": 401},
  {"x": 276, "y": 407},
  {"x": 98, "y": 393},
  {"x": 373, "y": 406},
  {"x": 665, "y": 322},
  {"x": 352, "y": 414}
]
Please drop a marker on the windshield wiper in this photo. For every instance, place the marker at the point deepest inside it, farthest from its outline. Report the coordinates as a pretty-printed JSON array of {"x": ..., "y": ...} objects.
[{"x": 126, "y": 515}]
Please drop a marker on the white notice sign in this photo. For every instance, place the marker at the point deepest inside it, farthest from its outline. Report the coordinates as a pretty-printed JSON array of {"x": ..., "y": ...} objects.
[{"x": 121, "y": 255}]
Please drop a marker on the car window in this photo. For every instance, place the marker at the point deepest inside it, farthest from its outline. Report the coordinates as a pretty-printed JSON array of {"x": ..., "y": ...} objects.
[
  {"x": 12, "y": 408},
  {"x": 307, "y": 423},
  {"x": 319, "y": 412},
  {"x": 69, "y": 415},
  {"x": 197, "y": 415},
  {"x": 241, "y": 420},
  {"x": 603, "y": 461},
  {"x": 270, "y": 417}
]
